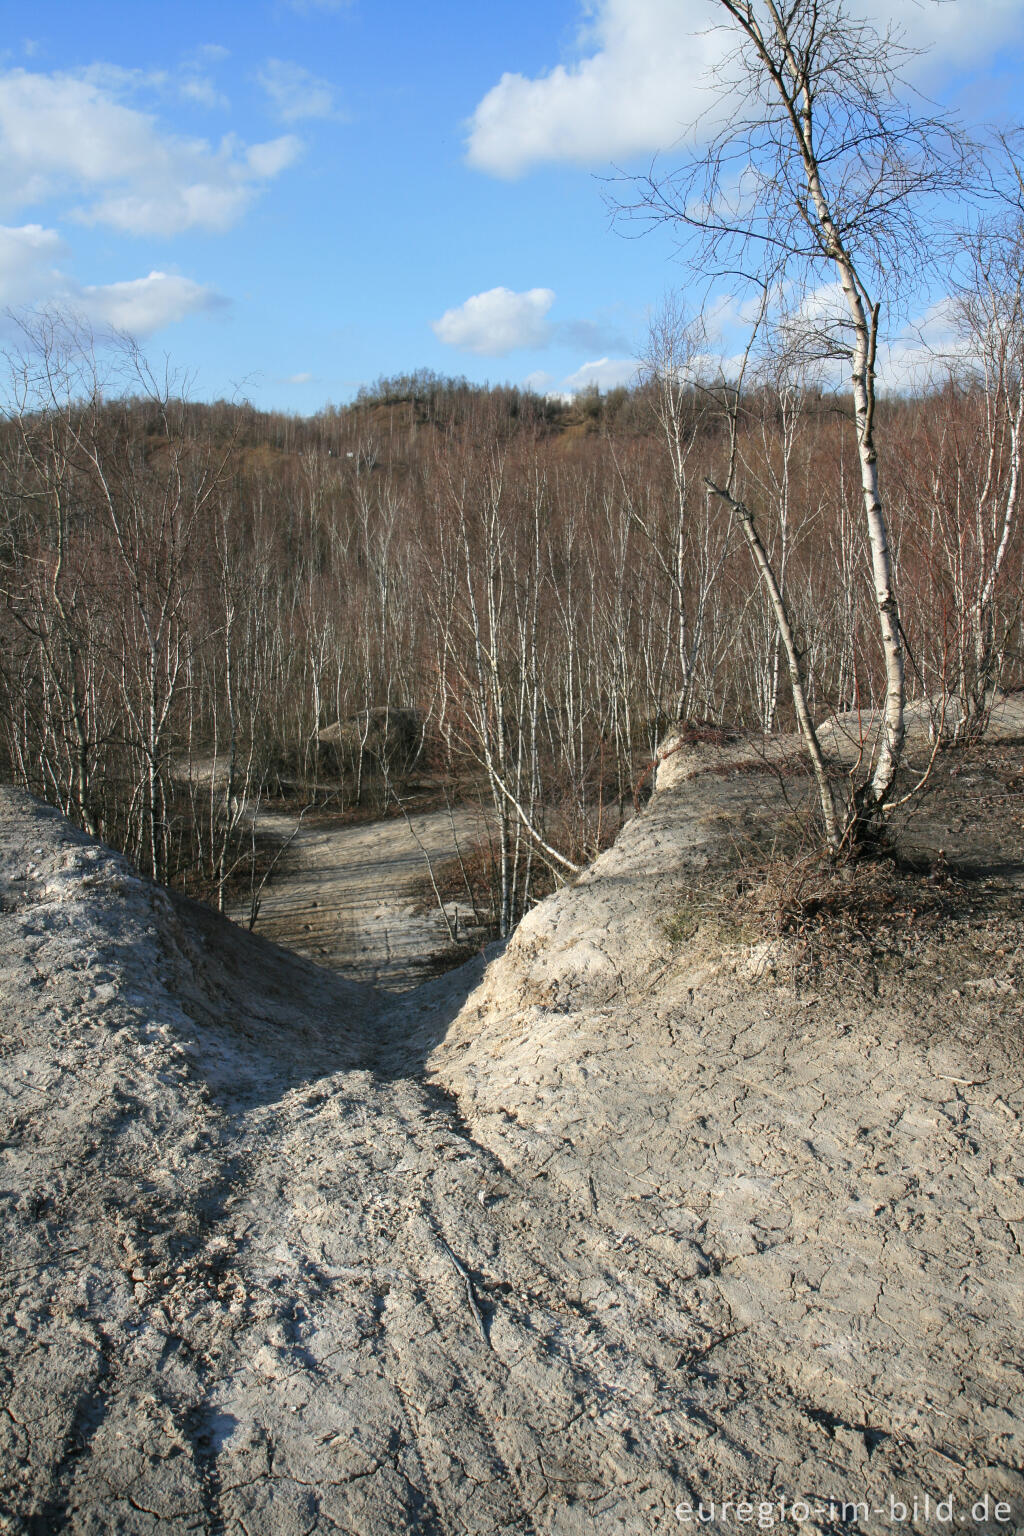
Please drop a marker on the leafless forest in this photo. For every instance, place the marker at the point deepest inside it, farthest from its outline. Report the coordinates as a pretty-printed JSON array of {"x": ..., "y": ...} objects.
[
  {"x": 533, "y": 590},
  {"x": 205, "y": 607}
]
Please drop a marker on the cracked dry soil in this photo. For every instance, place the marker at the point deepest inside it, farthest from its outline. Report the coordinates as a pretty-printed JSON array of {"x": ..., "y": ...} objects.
[{"x": 554, "y": 1247}]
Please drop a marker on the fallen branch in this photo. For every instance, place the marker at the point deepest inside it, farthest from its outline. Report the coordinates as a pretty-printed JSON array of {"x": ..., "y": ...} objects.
[{"x": 474, "y": 1306}]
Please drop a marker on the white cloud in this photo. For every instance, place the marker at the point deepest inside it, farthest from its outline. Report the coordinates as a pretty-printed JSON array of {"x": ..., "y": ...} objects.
[
  {"x": 267, "y": 160},
  {"x": 70, "y": 135},
  {"x": 636, "y": 91},
  {"x": 497, "y": 321},
  {"x": 538, "y": 382},
  {"x": 642, "y": 78},
  {"x": 955, "y": 33},
  {"x": 295, "y": 92},
  {"x": 201, "y": 90},
  {"x": 191, "y": 82},
  {"x": 926, "y": 349},
  {"x": 27, "y": 263},
  {"x": 145, "y": 304},
  {"x": 300, "y": 378},
  {"x": 605, "y": 373},
  {"x": 30, "y": 275}
]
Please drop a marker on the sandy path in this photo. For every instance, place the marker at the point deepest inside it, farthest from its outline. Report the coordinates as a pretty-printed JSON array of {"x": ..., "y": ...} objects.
[
  {"x": 253, "y": 1287},
  {"x": 349, "y": 896}
]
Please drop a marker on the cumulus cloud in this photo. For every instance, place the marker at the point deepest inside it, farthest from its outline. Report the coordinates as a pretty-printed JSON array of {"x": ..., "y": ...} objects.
[
  {"x": 605, "y": 373},
  {"x": 145, "y": 304},
  {"x": 948, "y": 34},
  {"x": 635, "y": 91},
  {"x": 195, "y": 83},
  {"x": 642, "y": 78},
  {"x": 295, "y": 92},
  {"x": 498, "y": 321},
  {"x": 70, "y": 135},
  {"x": 30, "y": 275},
  {"x": 201, "y": 90},
  {"x": 925, "y": 349},
  {"x": 191, "y": 81},
  {"x": 813, "y": 336},
  {"x": 28, "y": 258}
]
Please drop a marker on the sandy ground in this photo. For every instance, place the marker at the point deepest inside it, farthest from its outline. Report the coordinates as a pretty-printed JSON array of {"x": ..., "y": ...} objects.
[
  {"x": 351, "y": 897},
  {"x": 566, "y": 1245}
]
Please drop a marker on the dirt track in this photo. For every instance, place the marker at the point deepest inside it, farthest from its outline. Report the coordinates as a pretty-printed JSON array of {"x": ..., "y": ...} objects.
[{"x": 351, "y": 897}]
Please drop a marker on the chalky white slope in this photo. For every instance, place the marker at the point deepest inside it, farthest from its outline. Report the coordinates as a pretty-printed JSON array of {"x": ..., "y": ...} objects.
[{"x": 625, "y": 1228}]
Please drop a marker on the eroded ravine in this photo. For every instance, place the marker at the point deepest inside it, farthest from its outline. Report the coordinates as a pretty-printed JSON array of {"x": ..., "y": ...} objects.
[
  {"x": 550, "y": 1248},
  {"x": 254, "y": 1287}
]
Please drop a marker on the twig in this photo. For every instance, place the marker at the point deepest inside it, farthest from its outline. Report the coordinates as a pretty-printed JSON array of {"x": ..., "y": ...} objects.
[
  {"x": 451, "y": 927},
  {"x": 256, "y": 896},
  {"x": 470, "y": 1293},
  {"x": 462, "y": 862}
]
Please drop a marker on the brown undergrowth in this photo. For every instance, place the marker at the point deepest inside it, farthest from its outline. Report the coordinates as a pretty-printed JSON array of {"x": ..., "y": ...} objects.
[{"x": 953, "y": 869}]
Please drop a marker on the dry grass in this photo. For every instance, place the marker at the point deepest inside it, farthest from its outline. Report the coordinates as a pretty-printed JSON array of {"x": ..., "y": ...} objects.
[{"x": 958, "y": 863}]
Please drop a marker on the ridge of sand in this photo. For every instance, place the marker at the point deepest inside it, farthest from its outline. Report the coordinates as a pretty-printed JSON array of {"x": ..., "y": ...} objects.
[{"x": 613, "y": 1226}]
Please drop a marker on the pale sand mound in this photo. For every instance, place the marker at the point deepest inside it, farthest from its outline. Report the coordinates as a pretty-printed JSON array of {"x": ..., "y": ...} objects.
[
  {"x": 823, "y": 1171},
  {"x": 690, "y": 1230}
]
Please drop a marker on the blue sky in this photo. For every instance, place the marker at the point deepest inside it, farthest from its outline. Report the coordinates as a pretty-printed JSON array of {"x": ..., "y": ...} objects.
[{"x": 291, "y": 197}]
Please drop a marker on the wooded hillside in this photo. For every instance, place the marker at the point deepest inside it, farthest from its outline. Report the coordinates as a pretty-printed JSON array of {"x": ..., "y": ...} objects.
[{"x": 546, "y": 585}]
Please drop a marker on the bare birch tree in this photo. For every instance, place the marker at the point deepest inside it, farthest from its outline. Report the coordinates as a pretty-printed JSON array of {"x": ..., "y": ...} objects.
[
  {"x": 989, "y": 312},
  {"x": 817, "y": 182}
]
